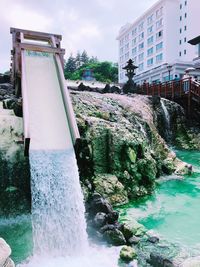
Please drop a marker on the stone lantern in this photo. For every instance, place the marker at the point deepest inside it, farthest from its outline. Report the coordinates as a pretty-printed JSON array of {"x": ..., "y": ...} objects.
[{"x": 130, "y": 86}]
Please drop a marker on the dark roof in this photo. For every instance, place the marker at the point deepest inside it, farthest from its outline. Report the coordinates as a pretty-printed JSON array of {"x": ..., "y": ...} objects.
[{"x": 194, "y": 41}]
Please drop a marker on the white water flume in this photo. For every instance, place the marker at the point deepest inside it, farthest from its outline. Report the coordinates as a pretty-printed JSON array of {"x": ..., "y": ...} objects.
[{"x": 59, "y": 227}]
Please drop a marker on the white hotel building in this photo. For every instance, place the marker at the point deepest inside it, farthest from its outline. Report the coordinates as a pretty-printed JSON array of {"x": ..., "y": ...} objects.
[{"x": 159, "y": 38}]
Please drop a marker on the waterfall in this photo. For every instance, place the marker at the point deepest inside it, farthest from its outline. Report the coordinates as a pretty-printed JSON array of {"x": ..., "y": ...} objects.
[
  {"x": 59, "y": 227},
  {"x": 57, "y": 204},
  {"x": 167, "y": 121},
  {"x": 141, "y": 128},
  {"x": 58, "y": 221}
]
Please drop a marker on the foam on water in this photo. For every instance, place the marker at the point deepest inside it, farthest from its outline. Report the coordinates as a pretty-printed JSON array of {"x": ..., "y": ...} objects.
[{"x": 96, "y": 256}]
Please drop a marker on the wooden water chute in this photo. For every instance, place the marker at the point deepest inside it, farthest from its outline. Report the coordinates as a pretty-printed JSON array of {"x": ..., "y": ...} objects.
[{"x": 25, "y": 40}]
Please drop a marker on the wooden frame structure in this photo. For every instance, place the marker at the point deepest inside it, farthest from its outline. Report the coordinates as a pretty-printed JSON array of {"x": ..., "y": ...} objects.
[
  {"x": 18, "y": 41},
  {"x": 24, "y": 40}
]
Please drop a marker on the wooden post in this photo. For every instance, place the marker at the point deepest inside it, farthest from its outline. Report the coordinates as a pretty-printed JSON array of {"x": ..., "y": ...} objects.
[
  {"x": 173, "y": 90},
  {"x": 189, "y": 98},
  {"x": 165, "y": 89}
]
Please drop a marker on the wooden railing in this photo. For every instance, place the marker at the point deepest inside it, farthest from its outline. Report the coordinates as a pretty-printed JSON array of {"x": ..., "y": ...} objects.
[{"x": 174, "y": 90}]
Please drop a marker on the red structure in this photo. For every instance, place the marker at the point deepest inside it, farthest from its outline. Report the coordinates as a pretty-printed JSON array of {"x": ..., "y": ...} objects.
[{"x": 186, "y": 92}]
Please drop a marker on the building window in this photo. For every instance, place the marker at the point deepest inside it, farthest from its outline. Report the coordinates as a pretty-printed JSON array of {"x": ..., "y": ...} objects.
[
  {"x": 185, "y": 28},
  {"x": 150, "y": 29},
  {"x": 121, "y": 42},
  {"x": 180, "y": 30},
  {"x": 159, "y": 23},
  {"x": 134, "y": 41},
  {"x": 159, "y": 58},
  {"x": 127, "y": 46},
  {"x": 141, "y": 66},
  {"x": 185, "y": 52},
  {"x": 185, "y": 39},
  {"x": 159, "y": 34},
  {"x": 185, "y": 15},
  {"x": 180, "y": 42},
  {"x": 141, "y": 26},
  {"x": 159, "y": 12},
  {"x": 180, "y": 6},
  {"x": 150, "y": 19},
  {"x": 126, "y": 56},
  {"x": 159, "y": 46},
  {"x": 121, "y": 59},
  {"x": 134, "y": 50},
  {"x": 179, "y": 54},
  {"x": 150, "y": 51},
  {"x": 185, "y": 3},
  {"x": 127, "y": 38},
  {"x": 121, "y": 50},
  {"x": 150, "y": 62},
  {"x": 150, "y": 40},
  {"x": 134, "y": 31},
  {"x": 141, "y": 46},
  {"x": 141, "y": 36},
  {"x": 135, "y": 59},
  {"x": 180, "y": 18},
  {"x": 141, "y": 57}
]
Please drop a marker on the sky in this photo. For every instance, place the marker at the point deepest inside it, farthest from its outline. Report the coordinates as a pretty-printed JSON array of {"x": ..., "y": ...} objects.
[{"x": 92, "y": 25}]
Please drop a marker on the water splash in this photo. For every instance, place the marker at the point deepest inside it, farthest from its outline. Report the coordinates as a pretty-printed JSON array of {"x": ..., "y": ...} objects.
[
  {"x": 59, "y": 227},
  {"x": 168, "y": 132}
]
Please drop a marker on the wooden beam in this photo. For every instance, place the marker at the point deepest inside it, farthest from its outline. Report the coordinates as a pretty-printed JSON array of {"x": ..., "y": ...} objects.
[
  {"x": 35, "y": 34},
  {"x": 40, "y": 48}
]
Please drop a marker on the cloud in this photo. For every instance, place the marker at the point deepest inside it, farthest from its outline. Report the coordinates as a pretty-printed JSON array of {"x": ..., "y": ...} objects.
[{"x": 91, "y": 25}]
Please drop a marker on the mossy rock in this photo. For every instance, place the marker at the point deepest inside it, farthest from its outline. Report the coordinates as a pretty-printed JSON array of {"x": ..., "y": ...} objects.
[
  {"x": 127, "y": 254},
  {"x": 110, "y": 188}
]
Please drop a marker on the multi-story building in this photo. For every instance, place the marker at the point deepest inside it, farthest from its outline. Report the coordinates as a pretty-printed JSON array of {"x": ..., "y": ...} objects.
[{"x": 159, "y": 38}]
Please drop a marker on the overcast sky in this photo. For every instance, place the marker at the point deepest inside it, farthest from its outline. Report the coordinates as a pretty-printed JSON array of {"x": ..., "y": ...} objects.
[{"x": 84, "y": 24}]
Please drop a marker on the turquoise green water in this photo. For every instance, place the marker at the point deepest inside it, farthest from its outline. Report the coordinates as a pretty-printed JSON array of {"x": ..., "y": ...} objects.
[
  {"x": 18, "y": 234},
  {"x": 174, "y": 209}
]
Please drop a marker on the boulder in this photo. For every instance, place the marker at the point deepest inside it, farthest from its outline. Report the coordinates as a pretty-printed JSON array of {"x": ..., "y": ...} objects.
[
  {"x": 110, "y": 188},
  {"x": 157, "y": 260},
  {"x": 153, "y": 239},
  {"x": 134, "y": 240},
  {"x": 131, "y": 226},
  {"x": 9, "y": 263},
  {"x": 99, "y": 219},
  {"x": 112, "y": 217},
  {"x": 115, "y": 237},
  {"x": 5, "y": 252},
  {"x": 15, "y": 173},
  {"x": 127, "y": 231},
  {"x": 127, "y": 254},
  {"x": 17, "y": 108},
  {"x": 98, "y": 204},
  {"x": 9, "y": 103}
]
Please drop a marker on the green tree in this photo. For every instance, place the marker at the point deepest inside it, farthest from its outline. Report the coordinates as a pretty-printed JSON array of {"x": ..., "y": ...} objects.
[
  {"x": 103, "y": 71},
  {"x": 70, "y": 67},
  {"x": 84, "y": 57},
  {"x": 78, "y": 60}
]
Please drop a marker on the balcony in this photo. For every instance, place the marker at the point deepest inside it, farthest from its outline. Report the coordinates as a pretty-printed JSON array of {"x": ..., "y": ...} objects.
[{"x": 197, "y": 62}]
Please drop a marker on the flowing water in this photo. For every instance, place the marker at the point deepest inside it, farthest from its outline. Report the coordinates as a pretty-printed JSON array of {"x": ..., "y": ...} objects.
[
  {"x": 167, "y": 121},
  {"x": 174, "y": 210},
  {"x": 58, "y": 234}
]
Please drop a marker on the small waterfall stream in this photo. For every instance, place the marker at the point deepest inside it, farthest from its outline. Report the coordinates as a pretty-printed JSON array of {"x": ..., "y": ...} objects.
[{"x": 168, "y": 132}]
